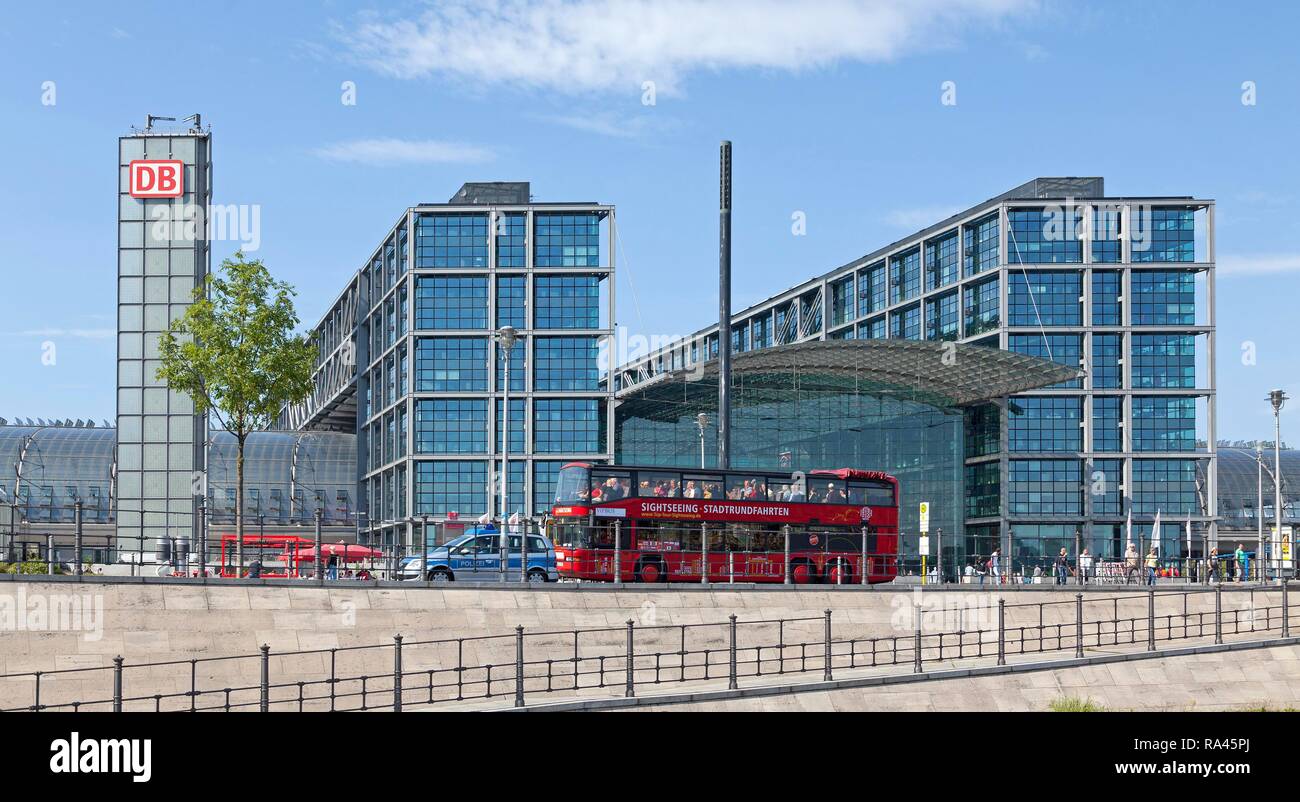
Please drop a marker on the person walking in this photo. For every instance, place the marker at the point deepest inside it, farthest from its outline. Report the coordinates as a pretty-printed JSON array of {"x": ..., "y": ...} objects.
[
  {"x": 1240, "y": 557},
  {"x": 1085, "y": 566},
  {"x": 332, "y": 566},
  {"x": 1151, "y": 566},
  {"x": 1062, "y": 567},
  {"x": 1212, "y": 576},
  {"x": 995, "y": 567}
]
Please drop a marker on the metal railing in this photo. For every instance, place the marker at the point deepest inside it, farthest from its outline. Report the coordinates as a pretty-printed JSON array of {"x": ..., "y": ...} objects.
[{"x": 588, "y": 662}]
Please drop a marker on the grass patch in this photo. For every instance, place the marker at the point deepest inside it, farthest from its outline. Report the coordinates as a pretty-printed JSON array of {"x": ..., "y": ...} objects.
[
  {"x": 1265, "y": 708},
  {"x": 1073, "y": 704}
]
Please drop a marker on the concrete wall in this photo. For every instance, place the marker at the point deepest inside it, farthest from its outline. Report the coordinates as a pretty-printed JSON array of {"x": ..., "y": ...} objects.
[
  {"x": 179, "y": 620},
  {"x": 1222, "y": 681}
]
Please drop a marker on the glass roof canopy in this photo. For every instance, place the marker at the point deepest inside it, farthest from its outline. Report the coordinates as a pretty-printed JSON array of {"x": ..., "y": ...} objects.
[{"x": 939, "y": 374}]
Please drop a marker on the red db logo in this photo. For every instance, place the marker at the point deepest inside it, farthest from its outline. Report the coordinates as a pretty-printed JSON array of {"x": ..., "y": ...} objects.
[{"x": 157, "y": 178}]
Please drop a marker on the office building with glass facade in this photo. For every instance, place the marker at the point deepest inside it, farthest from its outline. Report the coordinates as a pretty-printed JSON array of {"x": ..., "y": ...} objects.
[
  {"x": 1120, "y": 289},
  {"x": 410, "y": 360}
]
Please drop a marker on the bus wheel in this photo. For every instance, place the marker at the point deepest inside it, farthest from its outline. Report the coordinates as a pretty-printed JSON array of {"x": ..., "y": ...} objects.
[
  {"x": 801, "y": 573},
  {"x": 838, "y": 576},
  {"x": 440, "y": 575},
  {"x": 650, "y": 571}
]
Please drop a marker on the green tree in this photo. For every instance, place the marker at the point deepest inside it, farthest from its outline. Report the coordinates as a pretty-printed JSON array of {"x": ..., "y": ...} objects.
[{"x": 235, "y": 352}]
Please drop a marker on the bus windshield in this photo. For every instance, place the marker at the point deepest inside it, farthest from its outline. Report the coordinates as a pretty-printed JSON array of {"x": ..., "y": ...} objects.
[{"x": 573, "y": 485}]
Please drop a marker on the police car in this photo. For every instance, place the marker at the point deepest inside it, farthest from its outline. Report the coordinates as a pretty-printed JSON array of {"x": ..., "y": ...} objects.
[{"x": 476, "y": 555}]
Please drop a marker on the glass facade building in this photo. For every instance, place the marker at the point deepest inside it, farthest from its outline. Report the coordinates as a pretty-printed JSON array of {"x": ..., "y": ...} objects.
[
  {"x": 409, "y": 359},
  {"x": 1119, "y": 288}
]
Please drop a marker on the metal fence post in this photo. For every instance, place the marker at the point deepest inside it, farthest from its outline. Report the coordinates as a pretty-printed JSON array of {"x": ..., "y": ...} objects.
[
  {"x": 266, "y": 679},
  {"x": 704, "y": 554},
  {"x": 785, "y": 530},
  {"x": 1002, "y": 632},
  {"x": 519, "y": 666},
  {"x": 826, "y": 675},
  {"x": 731, "y": 665},
  {"x": 1078, "y": 625},
  {"x": 320, "y": 557},
  {"x": 1151, "y": 620},
  {"x": 916, "y": 649},
  {"x": 618, "y": 552},
  {"x": 117, "y": 684},
  {"x": 203, "y": 537},
  {"x": 49, "y": 555},
  {"x": 862, "y": 568},
  {"x": 397, "y": 673},
  {"x": 1218, "y": 613},
  {"x": 630, "y": 690},
  {"x": 1286, "y": 611},
  {"x": 78, "y": 543}
]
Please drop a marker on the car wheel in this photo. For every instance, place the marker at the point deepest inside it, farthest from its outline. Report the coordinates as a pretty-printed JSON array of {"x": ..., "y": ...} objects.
[
  {"x": 440, "y": 575},
  {"x": 536, "y": 575}
]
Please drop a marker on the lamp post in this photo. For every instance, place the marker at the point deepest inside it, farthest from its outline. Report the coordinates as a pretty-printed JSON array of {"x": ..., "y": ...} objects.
[
  {"x": 506, "y": 337},
  {"x": 1278, "y": 398},
  {"x": 702, "y": 421}
]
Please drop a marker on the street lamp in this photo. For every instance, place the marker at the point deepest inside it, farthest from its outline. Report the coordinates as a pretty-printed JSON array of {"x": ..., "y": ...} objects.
[
  {"x": 702, "y": 421},
  {"x": 506, "y": 337},
  {"x": 1278, "y": 399}
]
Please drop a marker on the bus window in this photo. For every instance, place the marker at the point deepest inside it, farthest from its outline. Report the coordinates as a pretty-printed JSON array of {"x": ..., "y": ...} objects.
[
  {"x": 659, "y": 485},
  {"x": 827, "y": 492},
  {"x": 658, "y": 536},
  {"x": 786, "y": 490},
  {"x": 610, "y": 485},
  {"x": 871, "y": 494},
  {"x": 701, "y": 486},
  {"x": 746, "y": 488},
  {"x": 572, "y": 485},
  {"x": 571, "y": 535}
]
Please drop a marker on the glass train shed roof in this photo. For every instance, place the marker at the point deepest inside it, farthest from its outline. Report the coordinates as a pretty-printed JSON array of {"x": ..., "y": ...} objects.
[{"x": 935, "y": 373}]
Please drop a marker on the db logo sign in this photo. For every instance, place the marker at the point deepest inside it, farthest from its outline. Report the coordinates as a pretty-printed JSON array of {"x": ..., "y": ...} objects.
[{"x": 157, "y": 178}]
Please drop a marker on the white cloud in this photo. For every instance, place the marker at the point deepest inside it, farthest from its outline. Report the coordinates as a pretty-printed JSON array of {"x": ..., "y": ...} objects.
[
  {"x": 387, "y": 152},
  {"x": 916, "y": 219},
  {"x": 1258, "y": 264},
  {"x": 583, "y": 45}
]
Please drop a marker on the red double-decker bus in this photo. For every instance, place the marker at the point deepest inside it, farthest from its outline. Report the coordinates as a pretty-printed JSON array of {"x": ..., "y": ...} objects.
[{"x": 675, "y": 524}]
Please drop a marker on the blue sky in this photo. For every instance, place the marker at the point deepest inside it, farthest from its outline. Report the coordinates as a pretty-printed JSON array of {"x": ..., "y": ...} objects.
[{"x": 834, "y": 108}]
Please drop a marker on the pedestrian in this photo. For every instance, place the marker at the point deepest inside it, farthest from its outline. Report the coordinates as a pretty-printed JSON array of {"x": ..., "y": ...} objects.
[
  {"x": 995, "y": 567},
  {"x": 1062, "y": 567},
  {"x": 1240, "y": 557},
  {"x": 981, "y": 568},
  {"x": 332, "y": 566},
  {"x": 1213, "y": 574},
  {"x": 1151, "y": 566},
  {"x": 1085, "y": 565}
]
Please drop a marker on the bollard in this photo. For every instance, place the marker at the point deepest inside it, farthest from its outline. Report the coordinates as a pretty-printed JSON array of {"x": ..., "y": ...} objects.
[
  {"x": 786, "y": 531},
  {"x": 731, "y": 567},
  {"x": 826, "y": 675},
  {"x": 1218, "y": 613},
  {"x": 1151, "y": 620},
  {"x": 117, "y": 684},
  {"x": 320, "y": 557},
  {"x": 630, "y": 690},
  {"x": 397, "y": 673},
  {"x": 916, "y": 649},
  {"x": 731, "y": 664},
  {"x": 1002, "y": 632},
  {"x": 519, "y": 666},
  {"x": 1078, "y": 625},
  {"x": 265, "y": 706},
  {"x": 49, "y": 555},
  {"x": 78, "y": 550},
  {"x": 523, "y": 549}
]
